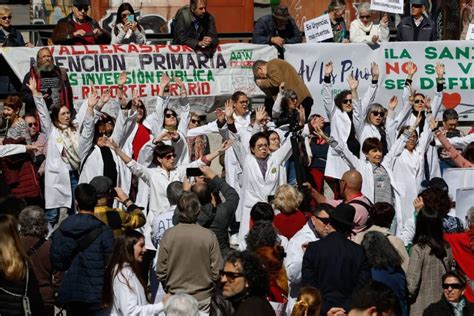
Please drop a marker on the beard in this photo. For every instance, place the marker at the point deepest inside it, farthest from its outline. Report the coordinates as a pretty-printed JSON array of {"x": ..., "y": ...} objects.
[{"x": 46, "y": 67}]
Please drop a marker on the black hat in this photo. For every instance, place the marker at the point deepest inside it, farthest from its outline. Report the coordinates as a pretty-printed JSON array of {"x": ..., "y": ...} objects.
[
  {"x": 439, "y": 183},
  {"x": 422, "y": 2},
  {"x": 102, "y": 185},
  {"x": 343, "y": 213},
  {"x": 281, "y": 13},
  {"x": 77, "y": 3}
]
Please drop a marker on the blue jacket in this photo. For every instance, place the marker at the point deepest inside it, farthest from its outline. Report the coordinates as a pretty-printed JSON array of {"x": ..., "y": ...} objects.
[
  {"x": 265, "y": 29},
  {"x": 337, "y": 267},
  {"x": 84, "y": 276},
  {"x": 395, "y": 279},
  {"x": 14, "y": 39}
]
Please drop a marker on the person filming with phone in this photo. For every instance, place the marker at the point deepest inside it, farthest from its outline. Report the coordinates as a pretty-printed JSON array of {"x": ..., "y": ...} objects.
[{"x": 127, "y": 29}]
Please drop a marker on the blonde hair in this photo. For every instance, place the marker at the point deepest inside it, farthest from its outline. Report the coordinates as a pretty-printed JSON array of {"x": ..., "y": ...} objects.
[
  {"x": 12, "y": 256},
  {"x": 309, "y": 302},
  {"x": 5, "y": 10},
  {"x": 287, "y": 199}
]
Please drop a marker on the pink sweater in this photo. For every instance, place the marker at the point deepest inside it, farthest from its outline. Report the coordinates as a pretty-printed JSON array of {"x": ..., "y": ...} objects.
[{"x": 458, "y": 159}]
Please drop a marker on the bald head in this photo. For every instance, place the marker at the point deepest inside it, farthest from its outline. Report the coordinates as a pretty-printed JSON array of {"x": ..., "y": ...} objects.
[{"x": 353, "y": 180}]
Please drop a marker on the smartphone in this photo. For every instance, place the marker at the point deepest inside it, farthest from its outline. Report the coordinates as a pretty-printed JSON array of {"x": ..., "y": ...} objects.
[
  {"x": 131, "y": 18},
  {"x": 193, "y": 172}
]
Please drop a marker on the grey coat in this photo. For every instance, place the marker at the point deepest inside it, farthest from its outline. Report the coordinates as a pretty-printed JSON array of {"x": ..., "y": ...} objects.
[{"x": 406, "y": 30}]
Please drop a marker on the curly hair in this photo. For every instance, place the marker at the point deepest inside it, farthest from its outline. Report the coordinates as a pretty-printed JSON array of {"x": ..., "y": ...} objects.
[
  {"x": 33, "y": 222},
  {"x": 261, "y": 235},
  {"x": 438, "y": 200},
  {"x": 340, "y": 97},
  {"x": 287, "y": 199},
  {"x": 381, "y": 254},
  {"x": 252, "y": 270}
]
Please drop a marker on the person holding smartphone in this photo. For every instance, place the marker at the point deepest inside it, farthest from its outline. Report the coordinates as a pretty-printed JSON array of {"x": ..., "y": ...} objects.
[{"x": 127, "y": 29}]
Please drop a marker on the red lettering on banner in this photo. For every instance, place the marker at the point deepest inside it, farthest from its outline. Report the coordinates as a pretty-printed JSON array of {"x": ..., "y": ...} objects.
[
  {"x": 396, "y": 68},
  {"x": 174, "y": 48},
  {"x": 192, "y": 88},
  {"x": 206, "y": 88},
  {"x": 141, "y": 90},
  {"x": 186, "y": 48},
  {"x": 76, "y": 51},
  {"x": 155, "y": 89},
  {"x": 64, "y": 50},
  {"x": 159, "y": 47},
  {"x": 173, "y": 89},
  {"x": 85, "y": 92},
  {"x": 132, "y": 49},
  {"x": 118, "y": 48},
  {"x": 145, "y": 48},
  {"x": 104, "y": 49},
  {"x": 90, "y": 51}
]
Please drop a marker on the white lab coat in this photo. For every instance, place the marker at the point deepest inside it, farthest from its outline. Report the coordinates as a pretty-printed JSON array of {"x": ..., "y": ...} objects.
[
  {"x": 57, "y": 181},
  {"x": 11, "y": 149},
  {"x": 340, "y": 127},
  {"x": 294, "y": 261},
  {"x": 256, "y": 188},
  {"x": 358, "y": 32},
  {"x": 129, "y": 296},
  {"x": 365, "y": 169}
]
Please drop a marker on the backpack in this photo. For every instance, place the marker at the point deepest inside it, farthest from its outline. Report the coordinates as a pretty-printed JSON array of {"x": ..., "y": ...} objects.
[{"x": 186, "y": 12}]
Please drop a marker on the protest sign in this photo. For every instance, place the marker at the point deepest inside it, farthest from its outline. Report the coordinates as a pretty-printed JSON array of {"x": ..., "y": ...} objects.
[
  {"x": 392, "y": 58},
  {"x": 318, "y": 29},
  {"x": 458, "y": 178},
  {"x": 390, "y": 6},
  {"x": 470, "y": 33},
  {"x": 464, "y": 201},
  {"x": 229, "y": 69}
]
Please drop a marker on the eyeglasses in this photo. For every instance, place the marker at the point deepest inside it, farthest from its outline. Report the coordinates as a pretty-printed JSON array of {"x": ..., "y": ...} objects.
[
  {"x": 260, "y": 146},
  {"x": 325, "y": 220},
  {"x": 347, "y": 101},
  {"x": 364, "y": 17},
  {"x": 82, "y": 8},
  {"x": 32, "y": 124},
  {"x": 9, "y": 17},
  {"x": 230, "y": 276},
  {"x": 169, "y": 115},
  {"x": 196, "y": 122},
  {"x": 376, "y": 113},
  {"x": 169, "y": 156},
  {"x": 419, "y": 101},
  {"x": 455, "y": 286}
]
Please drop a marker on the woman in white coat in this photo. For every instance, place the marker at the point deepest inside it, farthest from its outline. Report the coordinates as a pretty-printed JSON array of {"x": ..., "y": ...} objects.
[
  {"x": 261, "y": 177},
  {"x": 343, "y": 117},
  {"x": 64, "y": 152},
  {"x": 363, "y": 30},
  {"x": 125, "y": 292}
]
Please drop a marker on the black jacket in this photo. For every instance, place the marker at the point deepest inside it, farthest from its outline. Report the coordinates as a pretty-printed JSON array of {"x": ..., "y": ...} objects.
[
  {"x": 337, "y": 267},
  {"x": 406, "y": 30},
  {"x": 85, "y": 269},
  {"x": 14, "y": 38},
  {"x": 12, "y": 305},
  {"x": 185, "y": 33},
  {"x": 443, "y": 308}
]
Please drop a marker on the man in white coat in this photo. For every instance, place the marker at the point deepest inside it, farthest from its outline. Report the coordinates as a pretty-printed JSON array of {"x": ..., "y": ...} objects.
[{"x": 313, "y": 230}]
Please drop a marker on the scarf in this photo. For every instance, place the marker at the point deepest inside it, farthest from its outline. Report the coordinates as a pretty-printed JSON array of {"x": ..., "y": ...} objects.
[
  {"x": 110, "y": 167},
  {"x": 70, "y": 154},
  {"x": 352, "y": 142},
  {"x": 365, "y": 28},
  {"x": 383, "y": 139}
]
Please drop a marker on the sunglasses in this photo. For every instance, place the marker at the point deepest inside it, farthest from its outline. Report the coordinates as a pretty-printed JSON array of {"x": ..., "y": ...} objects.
[
  {"x": 456, "y": 286},
  {"x": 230, "y": 276},
  {"x": 376, "y": 113},
  {"x": 347, "y": 101},
  {"x": 169, "y": 115},
  {"x": 364, "y": 17},
  {"x": 417, "y": 6},
  {"x": 196, "y": 122},
  {"x": 325, "y": 220},
  {"x": 419, "y": 101},
  {"x": 169, "y": 156},
  {"x": 31, "y": 124},
  {"x": 108, "y": 134},
  {"x": 82, "y": 8},
  {"x": 9, "y": 17}
]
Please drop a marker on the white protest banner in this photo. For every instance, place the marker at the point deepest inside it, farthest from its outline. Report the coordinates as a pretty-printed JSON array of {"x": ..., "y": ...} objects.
[
  {"x": 228, "y": 70},
  {"x": 390, "y": 6},
  {"x": 470, "y": 33},
  {"x": 464, "y": 201},
  {"x": 392, "y": 58},
  {"x": 318, "y": 29},
  {"x": 458, "y": 178}
]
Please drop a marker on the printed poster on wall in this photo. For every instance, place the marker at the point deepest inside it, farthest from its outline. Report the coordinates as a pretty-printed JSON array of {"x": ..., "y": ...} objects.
[
  {"x": 390, "y": 6},
  {"x": 318, "y": 29}
]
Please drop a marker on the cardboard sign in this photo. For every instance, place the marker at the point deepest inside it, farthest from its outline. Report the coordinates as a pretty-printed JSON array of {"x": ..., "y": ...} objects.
[
  {"x": 390, "y": 6},
  {"x": 470, "y": 33},
  {"x": 318, "y": 29}
]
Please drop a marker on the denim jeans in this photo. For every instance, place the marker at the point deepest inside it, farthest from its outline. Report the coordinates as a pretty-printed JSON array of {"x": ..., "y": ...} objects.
[{"x": 53, "y": 213}]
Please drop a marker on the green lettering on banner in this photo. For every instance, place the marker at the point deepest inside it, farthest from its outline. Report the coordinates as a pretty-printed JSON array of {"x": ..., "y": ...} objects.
[
  {"x": 244, "y": 54},
  {"x": 426, "y": 83},
  {"x": 449, "y": 53},
  {"x": 391, "y": 54},
  {"x": 430, "y": 69},
  {"x": 465, "y": 69},
  {"x": 73, "y": 79}
]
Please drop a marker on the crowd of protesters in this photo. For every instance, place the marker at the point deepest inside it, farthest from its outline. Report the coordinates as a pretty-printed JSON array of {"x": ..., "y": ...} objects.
[{"x": 348, "y": 216}]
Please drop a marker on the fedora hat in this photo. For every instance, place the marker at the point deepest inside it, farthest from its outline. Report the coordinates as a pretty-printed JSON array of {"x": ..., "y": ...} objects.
[
  {"x": 343, "y": 213},
  {"x": 281, "y": 13},
  {"x": 419, "y": 2}
]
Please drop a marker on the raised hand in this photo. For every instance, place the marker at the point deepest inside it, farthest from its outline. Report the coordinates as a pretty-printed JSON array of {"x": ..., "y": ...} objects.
[
  {"x": 433, "y": 124},
  {"x": 225, "y": 145},
  {"x": 108, "y": 142},
  {"x": 392, "y": 104},
  {"x": 220, "y": 114},
  {"x": 105, "y": 97},
  {"x": 165, "y": 81},
  {"x": 328, "y": 69},
  {"x": 208, "y": 172},
  {"x": 353, "y": 82},
  {"x": 92, "y": 98},
  {"x": 317, "y": 122},
  {"x": 174, "y": 135},
  {"x": 374, "y": 70},
  {"x": 182, "y": 87},
  {"x": 33, "y": 86},
  {"x": 418, "y": 204},
  {"x": 384, "y": 20},
  {"x": 411, "y": 69},
  {"x": 301, "y": 115},
  {"x": 229, "y": 109},
  {"x": 260, "y": 114},
  {"x": 122, "y": 78},
  {"x": 135, "y": 98},
  {"x": 440, "y": 68}
]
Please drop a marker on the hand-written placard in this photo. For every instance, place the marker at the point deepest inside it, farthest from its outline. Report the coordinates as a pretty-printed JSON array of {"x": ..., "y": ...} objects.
[
  {"x": 318, "y": 29},
  {"x": 391, "y": 6},
  {"x": 470, "y": 33}
]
